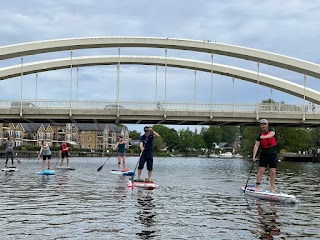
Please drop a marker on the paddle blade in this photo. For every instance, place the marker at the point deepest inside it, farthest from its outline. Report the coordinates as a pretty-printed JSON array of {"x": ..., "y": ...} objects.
[{"x": 100, "y": 168}]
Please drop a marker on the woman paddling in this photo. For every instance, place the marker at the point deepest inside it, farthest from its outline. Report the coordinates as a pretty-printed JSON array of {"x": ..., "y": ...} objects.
[
  {"x": 121, "y": 151},
  {"x": 46, "y": 154}
]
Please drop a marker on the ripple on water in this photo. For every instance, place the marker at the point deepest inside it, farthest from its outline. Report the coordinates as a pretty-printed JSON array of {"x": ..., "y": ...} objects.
[{"x": 197, "y": 199}]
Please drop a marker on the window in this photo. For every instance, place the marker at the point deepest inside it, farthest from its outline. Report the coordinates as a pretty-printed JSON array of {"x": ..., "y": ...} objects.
[
  {"x": 10, "y": 133},
  {"x": 89, "y": 139},
  {"x": 41, "y": 136},
  {"x": 48, "y": 136},
  {"x": 68, "y": 137},
  {"x": 18, "y": 143},
  {"x": 18, "y": 134}
]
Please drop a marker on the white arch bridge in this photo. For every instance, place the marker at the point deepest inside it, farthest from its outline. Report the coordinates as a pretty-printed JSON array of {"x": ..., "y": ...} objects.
[{"x": 33, "y": 110}]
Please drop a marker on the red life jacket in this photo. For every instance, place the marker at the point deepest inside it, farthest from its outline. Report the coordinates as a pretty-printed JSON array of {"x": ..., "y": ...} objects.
[
  {"x": 64, "y": 147},
  {"x": 268, "y": 142}
]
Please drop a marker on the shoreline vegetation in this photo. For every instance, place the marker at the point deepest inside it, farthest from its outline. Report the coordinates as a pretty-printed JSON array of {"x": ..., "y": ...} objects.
[{"x": 290, "y": 157}]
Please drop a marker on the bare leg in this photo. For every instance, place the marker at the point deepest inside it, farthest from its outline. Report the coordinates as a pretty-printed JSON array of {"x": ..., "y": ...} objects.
[
  {"x": 149, "y": 174},
  {"x": 124, "y": 162},
  {"x": 43, "y": 164},
  {"x": 139, "y": 173},
  {"x": 67, "y": 162},
  {"x": 272, "y": 178},
  {"x": 259, "y": 176},
  {"x": 61, "y": 164},
  {"x": 49, "y": 162},
  {"x": 119, "y": 162}
]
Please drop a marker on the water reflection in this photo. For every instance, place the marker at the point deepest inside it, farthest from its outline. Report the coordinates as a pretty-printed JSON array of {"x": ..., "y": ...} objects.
[
  {"x": 146, "y": 213},
  {"x": 268, "y": 220}
]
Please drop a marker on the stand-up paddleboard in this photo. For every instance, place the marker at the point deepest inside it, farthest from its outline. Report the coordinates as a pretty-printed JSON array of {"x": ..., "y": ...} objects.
[
  {"x": 142, "y": 184},
  {"x": 267, "y": 195},
  {"x": 46, "y": 172},
  {"x": 65, "y": 168},
  {"x": 9, "y": 169},
  {"x": 128, "y": 173}
]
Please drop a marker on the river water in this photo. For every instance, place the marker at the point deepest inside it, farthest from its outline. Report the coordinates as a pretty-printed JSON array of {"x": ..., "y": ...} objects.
[{"x": 197, "y": 199}]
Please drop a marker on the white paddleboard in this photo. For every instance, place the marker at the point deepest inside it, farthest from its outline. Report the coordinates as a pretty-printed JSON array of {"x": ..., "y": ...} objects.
[
  {"x": 145, "y": 185},
  {"x": 9, "y": 169},
  {"x": 267, "y": 195},
  {"x": 129, "y": 173}
]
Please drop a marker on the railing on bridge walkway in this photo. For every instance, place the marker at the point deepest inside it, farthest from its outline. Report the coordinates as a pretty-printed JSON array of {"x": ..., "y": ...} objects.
[{"x": 158, "y": 106}]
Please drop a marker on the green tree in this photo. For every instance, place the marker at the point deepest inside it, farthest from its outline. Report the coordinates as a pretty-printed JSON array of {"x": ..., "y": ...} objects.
[
  {"x": 158, "y": 144},
  {"x": 228, "y": 133},
  {"x": 134, "y": 135},
  {"x": 169, "y": 135},
  {"x": 211, "y": 135},
  {"x": 291, "y": 139},
  {"x": 315, "y": 137},
  {"x": 249, "y": 135},
  {"x": 198, "y": 142},
  {"x": 187, "y": 140}
]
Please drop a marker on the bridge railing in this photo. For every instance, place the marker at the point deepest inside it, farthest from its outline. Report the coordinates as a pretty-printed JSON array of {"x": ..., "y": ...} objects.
[{"x": 158, "y": 106}]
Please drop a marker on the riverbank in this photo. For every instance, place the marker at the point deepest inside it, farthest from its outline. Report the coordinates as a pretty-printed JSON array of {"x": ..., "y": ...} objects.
[{"x": 298, "y": 157}]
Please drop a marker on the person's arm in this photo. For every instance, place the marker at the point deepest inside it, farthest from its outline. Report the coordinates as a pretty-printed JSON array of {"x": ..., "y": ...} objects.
[
  {"x": 40, "y": 152},
  {"x": 269, "y": 135},
  {"x": 155, "y": 134},
  {"x": 115, "y": 147},
  {"x": 255, "y": 150},
  {"x": 141, "y": 146}
]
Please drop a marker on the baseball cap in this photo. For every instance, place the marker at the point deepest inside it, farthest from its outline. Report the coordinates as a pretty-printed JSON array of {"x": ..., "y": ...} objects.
[{"x": 264, "y": 121}]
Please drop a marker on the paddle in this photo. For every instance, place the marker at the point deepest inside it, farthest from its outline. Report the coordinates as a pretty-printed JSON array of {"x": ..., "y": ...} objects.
[
  {"x": 248, "y": 177},
  {"x": 134, "y": 172},
  {"x": 100, "y": 168},
  {"x": 56, "y": 163},
  {"x": 18, "y": 161}
]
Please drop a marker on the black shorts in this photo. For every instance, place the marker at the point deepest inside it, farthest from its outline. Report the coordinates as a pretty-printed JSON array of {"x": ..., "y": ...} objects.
[
  {"x": 121, "y": 154},
  {"x": 9, "y": 155},
  {"x": 271, "y": 160},
  {"x": 44, "y": 157},
  {"x": 146, "y": 157},
  {"x": 64, "y": 154}
]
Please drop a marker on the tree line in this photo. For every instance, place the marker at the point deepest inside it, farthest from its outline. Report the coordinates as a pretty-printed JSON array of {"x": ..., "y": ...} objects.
[{"x": 289, "y": 139}]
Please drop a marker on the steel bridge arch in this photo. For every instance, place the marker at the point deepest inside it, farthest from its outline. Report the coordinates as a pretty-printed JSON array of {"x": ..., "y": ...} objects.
[
  {"x": 277, "y": 60},
  {"x": 247, "y": 75}
]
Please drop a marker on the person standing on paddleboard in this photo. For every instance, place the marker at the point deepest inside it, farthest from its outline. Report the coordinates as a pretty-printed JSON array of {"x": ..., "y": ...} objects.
[
  {"x": 267, "y": 141},
  {"x": 45, "y": 149},
  {"x": 64, "y": 153},
  {"x": 146, "y": 147},
  {"x": 9, "y": 144},
  {"x": 121, "y": 152}
]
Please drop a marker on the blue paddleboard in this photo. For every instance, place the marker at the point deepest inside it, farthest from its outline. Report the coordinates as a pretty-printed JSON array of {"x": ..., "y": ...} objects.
[{"x": 46, "y": 172}]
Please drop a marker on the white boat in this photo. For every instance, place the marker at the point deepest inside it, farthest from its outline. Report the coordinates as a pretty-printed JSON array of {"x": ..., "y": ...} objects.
[
  {"x": 226, "y": 155},
  {"x": 213, "y": 156},
  {"x": 238, "y": 155}
]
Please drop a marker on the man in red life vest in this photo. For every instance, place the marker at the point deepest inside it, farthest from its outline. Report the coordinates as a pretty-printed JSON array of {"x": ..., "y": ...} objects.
[
  {"x": 64, "y": 153},
  {"x": 268, "y": 156}
]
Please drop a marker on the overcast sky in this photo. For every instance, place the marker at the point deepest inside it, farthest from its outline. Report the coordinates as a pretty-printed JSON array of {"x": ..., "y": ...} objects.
[{"x": 284, "y": 27}]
